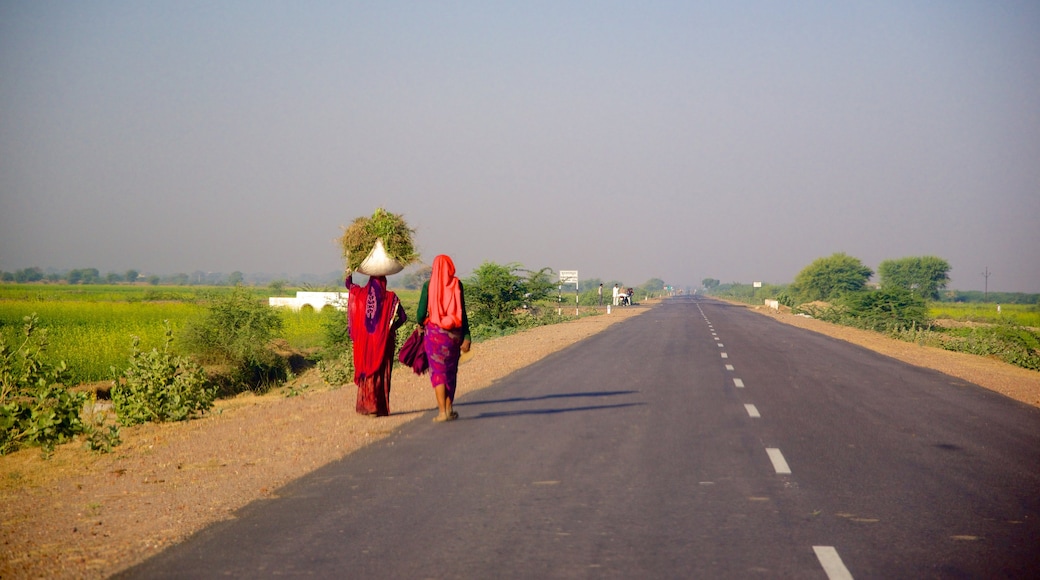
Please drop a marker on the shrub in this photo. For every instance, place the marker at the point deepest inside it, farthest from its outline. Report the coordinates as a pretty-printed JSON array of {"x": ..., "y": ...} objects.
[
  {"x": 237, "y": 329},
  {"x": 886, "y": 310},
  {"x": 35, "y": 407},
  {"x": 160, "y": 387}
]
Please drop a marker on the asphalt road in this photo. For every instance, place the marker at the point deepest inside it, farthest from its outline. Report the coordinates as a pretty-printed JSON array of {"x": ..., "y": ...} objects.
[{"x": 698, "y": 440}]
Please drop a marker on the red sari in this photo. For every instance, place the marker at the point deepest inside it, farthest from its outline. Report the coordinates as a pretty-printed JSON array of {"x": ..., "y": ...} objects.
[{"x": 373, "y": 316}]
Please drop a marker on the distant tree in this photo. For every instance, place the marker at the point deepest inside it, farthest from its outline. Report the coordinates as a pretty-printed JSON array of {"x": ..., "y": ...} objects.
[
  {"x": 416, "y": 278},
  {"x": 131, "y": 276},
  {"x": 710, "y": 283},
  {"x": 925, "y": 276},
  {"x": 153, "y": 280},
  {"x": 180, "y": 279},
  {"x": 28, "y": 275},
  {"x": 236, "y": 278},
  {"x": 277, "y": 286},
  {"x": 7, "y": 276},
  {"x": 83, "y": 276},
  {"x": 653, "y": 285},
  {"x": 828, "y": 278}
]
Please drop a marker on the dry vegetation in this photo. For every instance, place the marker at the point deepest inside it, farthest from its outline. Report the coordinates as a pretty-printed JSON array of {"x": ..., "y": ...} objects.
[{"x": 79, "y": 515}]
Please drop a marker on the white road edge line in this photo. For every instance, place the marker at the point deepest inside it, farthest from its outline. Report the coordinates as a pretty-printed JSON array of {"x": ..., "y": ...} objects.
[
  {"x": 738, "y": 383},
  {"x": 831, "y": 562},
  {"x": 752, "y": 411},
  {"x": 779, "y": 463}
]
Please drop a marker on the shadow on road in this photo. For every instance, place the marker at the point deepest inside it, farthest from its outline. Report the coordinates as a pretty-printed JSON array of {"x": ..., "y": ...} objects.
[
  {"x": 551, "y": 411},
  {"x": 545, "y": 398}
]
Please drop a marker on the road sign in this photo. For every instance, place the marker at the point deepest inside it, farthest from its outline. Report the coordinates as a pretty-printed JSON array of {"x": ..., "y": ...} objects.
[{"x": 568, "y": 276}]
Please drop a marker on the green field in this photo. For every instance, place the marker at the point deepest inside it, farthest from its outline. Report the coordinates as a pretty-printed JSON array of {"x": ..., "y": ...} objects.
[
  {"x": 91, "y": 327},
  {"x": 1020, "y": 314}
]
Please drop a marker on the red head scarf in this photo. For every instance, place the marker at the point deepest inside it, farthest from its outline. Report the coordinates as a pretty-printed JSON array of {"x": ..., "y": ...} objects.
[{"x": 445, "y": 297}]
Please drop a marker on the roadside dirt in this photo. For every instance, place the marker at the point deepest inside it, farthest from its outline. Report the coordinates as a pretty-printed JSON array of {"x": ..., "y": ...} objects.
[{"x": 81, "y": 515}]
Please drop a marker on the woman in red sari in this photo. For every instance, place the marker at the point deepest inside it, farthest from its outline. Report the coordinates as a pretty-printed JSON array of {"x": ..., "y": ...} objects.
[
  {"x": 373, "y": 316},
  {"x": 442, "y": 313}
]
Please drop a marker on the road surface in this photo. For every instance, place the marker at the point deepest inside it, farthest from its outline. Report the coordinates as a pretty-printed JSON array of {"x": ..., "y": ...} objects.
[{"x": 698, "y": 440}]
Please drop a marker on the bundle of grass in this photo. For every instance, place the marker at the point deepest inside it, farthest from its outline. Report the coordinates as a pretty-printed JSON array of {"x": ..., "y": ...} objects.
[{"x": 380, "y": 245}]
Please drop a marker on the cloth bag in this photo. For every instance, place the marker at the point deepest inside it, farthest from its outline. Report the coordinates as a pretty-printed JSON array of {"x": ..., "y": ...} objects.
[
  {"x": 378, "y": 262},
  {"x": 413, "y": 353}
]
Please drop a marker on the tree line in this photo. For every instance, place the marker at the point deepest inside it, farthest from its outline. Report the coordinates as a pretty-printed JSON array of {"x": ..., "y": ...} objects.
[{"x": 94, "y": 276}]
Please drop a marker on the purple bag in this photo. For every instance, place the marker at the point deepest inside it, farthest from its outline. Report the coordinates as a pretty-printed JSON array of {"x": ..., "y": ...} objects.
[{"x": 413, "y": 353}]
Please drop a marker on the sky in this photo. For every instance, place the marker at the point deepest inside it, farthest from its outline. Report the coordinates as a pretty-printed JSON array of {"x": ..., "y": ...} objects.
[{"x": 731, "y": 140}]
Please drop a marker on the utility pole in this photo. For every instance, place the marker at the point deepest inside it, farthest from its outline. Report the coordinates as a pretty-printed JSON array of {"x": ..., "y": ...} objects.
[{"x": 985, "y": 292}]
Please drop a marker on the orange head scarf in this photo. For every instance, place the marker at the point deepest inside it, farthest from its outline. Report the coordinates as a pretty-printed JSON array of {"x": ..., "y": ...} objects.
[{"x": 445, "y": 297}]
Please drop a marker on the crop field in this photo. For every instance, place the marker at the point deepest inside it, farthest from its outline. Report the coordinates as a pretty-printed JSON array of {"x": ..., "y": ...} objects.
[
  {"x": 91, "y": 327},
  {"x": 1020, "y": 314}
]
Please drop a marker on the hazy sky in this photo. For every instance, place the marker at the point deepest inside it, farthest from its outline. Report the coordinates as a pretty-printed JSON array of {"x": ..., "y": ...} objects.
[{"x": 626, "y": 140}]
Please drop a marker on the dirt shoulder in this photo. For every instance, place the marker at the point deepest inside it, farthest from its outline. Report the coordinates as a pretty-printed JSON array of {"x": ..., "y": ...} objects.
[{"x": 80, "y": 515}]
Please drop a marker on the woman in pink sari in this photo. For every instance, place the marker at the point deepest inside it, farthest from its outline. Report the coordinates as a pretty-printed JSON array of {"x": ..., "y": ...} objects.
[
  {"x": 442, "y": 312},
  {"x": 373, "y": 316}
]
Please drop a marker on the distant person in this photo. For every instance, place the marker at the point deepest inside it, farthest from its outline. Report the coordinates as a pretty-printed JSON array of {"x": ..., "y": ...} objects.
[
  {"x": 373, "y": 316},
  {"x": 442, "y": 313},
  {"x": 631, "y": 293},
  {"x": 617, "y": 292},
  {"x": 601, "y": 294}
]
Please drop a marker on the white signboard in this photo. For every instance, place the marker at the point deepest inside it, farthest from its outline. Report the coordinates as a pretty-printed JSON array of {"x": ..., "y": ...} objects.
[
  {"x": 568, "y": 277},
  {"x": 757, "y": 284}
]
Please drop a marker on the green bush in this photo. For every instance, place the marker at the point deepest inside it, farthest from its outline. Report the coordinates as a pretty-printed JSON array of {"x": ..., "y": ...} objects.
[
  {"x": 237, "y": 329},
  {"x": 1007, "y": 341},
  {"x": 35, "y": 406},
  {"x": 885, "y": 310},
  {"x": 160, "y": 387}
]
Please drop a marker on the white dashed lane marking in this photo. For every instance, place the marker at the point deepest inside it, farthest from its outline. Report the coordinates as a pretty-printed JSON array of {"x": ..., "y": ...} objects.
[
  {"x": 729, "y": 367},
  {"x": 724, "y": 355},
  {"x": 779, "y": 463},
  {"x": 738, "y": 383},
  {"x": 831, "y": 562},
  {"x": 752, "y": 411}
]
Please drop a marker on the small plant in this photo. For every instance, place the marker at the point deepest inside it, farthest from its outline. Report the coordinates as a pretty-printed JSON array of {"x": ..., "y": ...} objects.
[
  {"x": 159, "y": 387},
  {"x": 100, "y": 438},
  {"x": 35, "y": 406},
  {"x": 338, "y": 370}
]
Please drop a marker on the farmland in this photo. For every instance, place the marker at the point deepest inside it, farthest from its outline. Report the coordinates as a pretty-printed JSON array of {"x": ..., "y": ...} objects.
[{"x": 91, "y": 327}]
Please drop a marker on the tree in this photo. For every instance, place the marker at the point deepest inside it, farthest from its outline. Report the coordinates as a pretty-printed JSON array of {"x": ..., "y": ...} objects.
[
  {"x": 828, "y": 278},
  {"x": 131, "y": 276},
  {"x": 236, "y": 278},
  {"x": 710, "y": 283},
  {"x": 925, "y": 276},
  {"x": 494, "y": 292},
  {"x": 652, "y": 285},
  {"x": 416, "y": 278},
  {"x": 539, "y": 285}
]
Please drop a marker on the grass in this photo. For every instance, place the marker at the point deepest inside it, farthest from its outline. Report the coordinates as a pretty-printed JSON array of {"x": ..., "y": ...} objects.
[
  {"x": 1020, "y": 314},
  {"x": 91, "y": 327}
]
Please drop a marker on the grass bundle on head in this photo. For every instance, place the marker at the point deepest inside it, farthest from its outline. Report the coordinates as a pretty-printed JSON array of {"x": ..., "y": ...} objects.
[{"x": 360, "y": 237}]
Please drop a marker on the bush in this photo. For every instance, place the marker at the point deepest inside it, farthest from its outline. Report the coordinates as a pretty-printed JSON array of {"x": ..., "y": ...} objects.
[
  {"x": 237, "y": 329},
  {"x": 885, "y": 310},
  {"x": 160, "y": 387},
  {"x": 35, "y": 407}
]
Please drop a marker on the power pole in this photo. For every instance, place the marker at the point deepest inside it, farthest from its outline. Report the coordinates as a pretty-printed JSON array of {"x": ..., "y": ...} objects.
[{"x": 985, "y": 292}]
